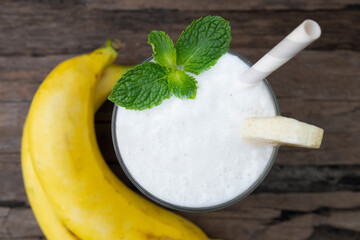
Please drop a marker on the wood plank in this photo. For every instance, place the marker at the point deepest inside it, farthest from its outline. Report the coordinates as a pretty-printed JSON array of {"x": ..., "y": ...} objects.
[
  {"x": 330, "y": 233},
  {"x": 19, "y": 223},
  {"x": 12, "y": 190},
  {"x": 202, "y": 5},
  {"x": 298, "y": 215},
  {"x": 214, "y": 5},
  {"x": 12, "y": 118},
  {"x": 303, "y": 202},
  {"x": 21, "y": 76},
  {"x": 319, "y": 112},
  {"x": 309, "y": 178},
  {"x": 10, "y": 157},
  {"x": 259, "y": 216},
  {"x": 309, "y": 194},
  {"x": 314, "y": 75},
  {"x": 337, "y": 148},
  {"x": 338, "y": 145},
  {"x": 281, "y": 179},
  {"x": 318, "y": 78},
  {"x": 301, "y": 227},
  {"x": 40, "y": 29},
  {"x": 25, "y": 238}
]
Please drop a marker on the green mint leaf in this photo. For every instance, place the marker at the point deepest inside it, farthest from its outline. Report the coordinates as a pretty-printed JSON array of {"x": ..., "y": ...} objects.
[
  {"x": 142, "y": 87},
  {"x": 163, "y": 47},
  {"x": 182, "y": 84},
  {"x": 203, "y": 43}
]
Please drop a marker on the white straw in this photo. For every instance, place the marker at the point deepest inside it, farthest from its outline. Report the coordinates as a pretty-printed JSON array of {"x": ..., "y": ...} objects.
[{"x": 307, "y": 32}]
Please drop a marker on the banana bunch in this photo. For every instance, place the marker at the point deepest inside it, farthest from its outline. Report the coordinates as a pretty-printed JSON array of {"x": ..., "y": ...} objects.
[{"x": 73, "y": 193}]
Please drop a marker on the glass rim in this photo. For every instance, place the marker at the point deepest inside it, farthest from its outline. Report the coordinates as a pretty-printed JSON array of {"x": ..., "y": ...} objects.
[{"x": 196, "y": 209}]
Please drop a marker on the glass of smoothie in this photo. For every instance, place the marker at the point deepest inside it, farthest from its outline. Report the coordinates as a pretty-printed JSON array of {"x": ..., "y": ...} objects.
[{"x": 188, "y": 154}]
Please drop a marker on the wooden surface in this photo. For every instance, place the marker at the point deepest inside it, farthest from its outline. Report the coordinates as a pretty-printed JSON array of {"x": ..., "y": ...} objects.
[{"x": 309, "y": 194}]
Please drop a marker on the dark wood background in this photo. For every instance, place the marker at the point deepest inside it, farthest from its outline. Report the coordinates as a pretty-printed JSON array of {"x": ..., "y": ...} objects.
[{"x": 309, "y": 194}]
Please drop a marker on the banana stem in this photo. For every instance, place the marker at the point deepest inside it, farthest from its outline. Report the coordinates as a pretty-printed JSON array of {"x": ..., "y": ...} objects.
[{"x": 115, "y": 43}]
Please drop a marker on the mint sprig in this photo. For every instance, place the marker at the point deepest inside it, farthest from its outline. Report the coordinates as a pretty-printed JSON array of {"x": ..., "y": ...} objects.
[
  {"x": 164, "y": 49},
  {"x": 182, "y": 85},
  {"x": 142, "y": 87},
  {"x": 203, "y": 43},
  {"x": 197, "y": 49}
]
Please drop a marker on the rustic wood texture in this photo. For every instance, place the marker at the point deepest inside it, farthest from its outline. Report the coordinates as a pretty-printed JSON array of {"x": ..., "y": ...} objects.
[
  {"x": 309, "y": 194},
  {"x": 215, "y": 5}
]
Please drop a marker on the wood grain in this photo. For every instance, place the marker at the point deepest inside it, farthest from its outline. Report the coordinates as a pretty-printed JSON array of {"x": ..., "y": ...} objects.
[
  {"x": 259, "y": 216},
  {"x": 18, "y": 223},
  {"x": 281, "y": 179},
  {"x": 283, "y": 216},
  {"x": 308, "y": 194},
  {"x": 334, "y": 95},
  {"x": 338, "y": 145},
  {"x": 312, "y": 75},
  {"x": 221, "y": 5},
  {"x": 40, "y": 29}
]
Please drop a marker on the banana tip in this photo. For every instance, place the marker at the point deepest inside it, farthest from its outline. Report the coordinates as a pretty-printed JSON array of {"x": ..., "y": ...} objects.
[{"x": 116, "y": 44}]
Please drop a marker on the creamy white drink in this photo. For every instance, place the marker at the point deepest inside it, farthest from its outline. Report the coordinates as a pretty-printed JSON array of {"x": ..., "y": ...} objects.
[{"x": 190, "y": 153}]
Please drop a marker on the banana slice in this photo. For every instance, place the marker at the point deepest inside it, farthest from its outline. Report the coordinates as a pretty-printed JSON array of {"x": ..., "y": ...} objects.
[{"x": 281, "y": 131}]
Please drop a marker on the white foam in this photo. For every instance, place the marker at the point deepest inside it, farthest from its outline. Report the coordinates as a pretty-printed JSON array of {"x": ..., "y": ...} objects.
[{"x": 189, "y": 152}]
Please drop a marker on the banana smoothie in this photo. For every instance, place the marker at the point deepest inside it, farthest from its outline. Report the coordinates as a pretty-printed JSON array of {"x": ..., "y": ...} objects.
[{"x": 189, "y": 153}]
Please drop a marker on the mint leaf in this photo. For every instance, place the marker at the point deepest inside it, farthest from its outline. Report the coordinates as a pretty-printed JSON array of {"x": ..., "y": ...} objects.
[
  {"x": 198, "y": 48},
  {"x": 203, "y": 43},
  {"x": 182, "y": 84},
  {"x": 163, "y": 47},
  {"x": 142, "y": 87}
]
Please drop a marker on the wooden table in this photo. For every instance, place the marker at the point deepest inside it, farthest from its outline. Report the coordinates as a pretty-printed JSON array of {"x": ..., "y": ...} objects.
[{"x": 309, "y": 194}]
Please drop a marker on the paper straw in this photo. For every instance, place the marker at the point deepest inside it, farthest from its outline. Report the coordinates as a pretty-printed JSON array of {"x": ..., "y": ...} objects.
[{"x": 307, "y": 32}]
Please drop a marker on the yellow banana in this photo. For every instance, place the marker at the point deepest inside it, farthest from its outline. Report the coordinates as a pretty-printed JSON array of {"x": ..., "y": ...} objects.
[
  {"x": 51, "y": 225},
  {"x": 85, "y": 194},
  {"x": 103, "y": 88}
]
